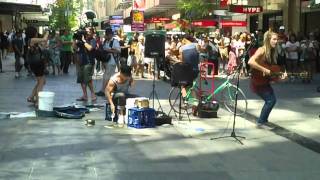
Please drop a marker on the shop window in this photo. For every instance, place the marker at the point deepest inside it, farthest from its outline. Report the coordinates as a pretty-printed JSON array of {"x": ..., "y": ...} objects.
[{"x": 273, "y": 21}]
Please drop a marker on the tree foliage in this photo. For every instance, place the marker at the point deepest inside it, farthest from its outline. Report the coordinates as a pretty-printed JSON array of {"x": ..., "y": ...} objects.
[
  {"x": 195, "y": 9},
  {"x": 59, "y": 20},
  {"x": 314, "y": 5}
]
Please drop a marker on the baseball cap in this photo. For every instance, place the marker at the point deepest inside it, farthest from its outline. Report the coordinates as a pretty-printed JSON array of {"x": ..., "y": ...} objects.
[{"x": 281, "y": 27}]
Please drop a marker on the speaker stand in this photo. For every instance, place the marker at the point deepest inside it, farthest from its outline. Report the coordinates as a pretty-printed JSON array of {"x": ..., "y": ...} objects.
[{"x": 154, "y": 93}]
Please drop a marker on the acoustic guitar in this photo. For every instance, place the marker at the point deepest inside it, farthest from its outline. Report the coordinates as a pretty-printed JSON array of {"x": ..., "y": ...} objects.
[
  {"x": 276, "y": 74},
  {"x": 260, "y": 78}
]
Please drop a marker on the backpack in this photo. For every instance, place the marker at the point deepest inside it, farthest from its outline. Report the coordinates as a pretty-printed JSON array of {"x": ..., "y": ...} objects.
[{"x": 101, "y": 54}]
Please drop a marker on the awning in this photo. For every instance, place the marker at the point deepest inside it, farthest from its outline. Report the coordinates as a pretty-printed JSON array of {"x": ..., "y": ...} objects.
[
  {"x": 124, "y": 5},
  {"x": 33, "y": 17},
  {"x": 9, "y": 8}
]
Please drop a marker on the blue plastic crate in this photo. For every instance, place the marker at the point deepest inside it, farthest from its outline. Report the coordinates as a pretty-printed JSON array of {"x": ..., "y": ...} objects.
[{"x": 141, "y": 118}]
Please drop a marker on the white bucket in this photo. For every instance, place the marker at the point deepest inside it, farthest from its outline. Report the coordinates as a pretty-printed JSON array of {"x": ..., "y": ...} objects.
[
  {"x": 129, "y": 104},
  {"x": 46, "y": 100}
]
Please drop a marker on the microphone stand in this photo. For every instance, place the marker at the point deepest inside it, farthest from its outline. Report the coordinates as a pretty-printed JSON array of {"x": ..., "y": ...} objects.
[{"x": 233, "y": 133}]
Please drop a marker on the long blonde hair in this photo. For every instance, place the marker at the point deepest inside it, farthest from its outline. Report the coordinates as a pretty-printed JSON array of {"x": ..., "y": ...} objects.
[{"x": 270, "y": 52}]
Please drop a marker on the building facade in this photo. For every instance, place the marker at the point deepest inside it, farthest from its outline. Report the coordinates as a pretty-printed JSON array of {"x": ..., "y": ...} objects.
[{"x": 295, "y": 15}]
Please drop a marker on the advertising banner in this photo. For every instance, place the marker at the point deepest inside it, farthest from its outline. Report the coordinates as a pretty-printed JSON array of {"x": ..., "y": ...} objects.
[
  {"x": 245, "y": 9},
  {"x": 137, "y": 20}
]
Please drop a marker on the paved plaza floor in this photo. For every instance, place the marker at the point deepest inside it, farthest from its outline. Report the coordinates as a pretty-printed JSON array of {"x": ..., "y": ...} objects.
[{"x": 51, "y": 148}]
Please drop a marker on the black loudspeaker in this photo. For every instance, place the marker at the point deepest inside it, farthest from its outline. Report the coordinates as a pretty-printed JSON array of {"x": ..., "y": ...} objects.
[
  {"x": 182, "y": 74},
  {"x": 154, "y": 44}
]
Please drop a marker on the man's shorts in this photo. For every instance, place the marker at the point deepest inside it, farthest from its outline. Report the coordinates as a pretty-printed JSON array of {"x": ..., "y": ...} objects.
[{"x": 85, "y": 74}]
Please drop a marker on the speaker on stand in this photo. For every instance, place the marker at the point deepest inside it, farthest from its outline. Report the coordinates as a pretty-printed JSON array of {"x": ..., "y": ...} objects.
[{"x": 155, "y": 48}]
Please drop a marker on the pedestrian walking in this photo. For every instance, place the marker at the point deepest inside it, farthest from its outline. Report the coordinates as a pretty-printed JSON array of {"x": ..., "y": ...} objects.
[
  {"x": 264, "y": 57},
  {"x": 18, "y": 48},
  {"x": 37, "y": 64},
  {"x": 4, "y": 44}
]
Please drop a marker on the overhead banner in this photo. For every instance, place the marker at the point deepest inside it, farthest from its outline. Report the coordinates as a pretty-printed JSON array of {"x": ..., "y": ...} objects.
[
  {"x": 137, "y": 20},
  {"x": 245, "y": 9},
  {"x": 139, "y": 5}
]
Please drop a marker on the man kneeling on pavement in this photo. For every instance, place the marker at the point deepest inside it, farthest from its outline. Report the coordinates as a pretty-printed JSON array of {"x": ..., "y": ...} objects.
[{"x": 117, "y": 91}]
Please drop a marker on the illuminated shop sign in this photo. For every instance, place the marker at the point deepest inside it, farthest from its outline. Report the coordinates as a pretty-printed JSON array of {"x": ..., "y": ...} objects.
[
  {"x": 233, "y": 23},
  {"x": 204, "y": 23},
  {"x": 245, "y": 9},
  {"x": 157, "y": 20}
]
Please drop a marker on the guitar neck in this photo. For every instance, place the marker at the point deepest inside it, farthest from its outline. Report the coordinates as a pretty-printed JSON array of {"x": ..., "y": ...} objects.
[{"x": 289, "y": 74}]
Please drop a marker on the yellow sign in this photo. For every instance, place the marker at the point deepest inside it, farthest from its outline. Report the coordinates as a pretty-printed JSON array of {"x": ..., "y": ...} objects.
[{"x": 137, "y": 17}]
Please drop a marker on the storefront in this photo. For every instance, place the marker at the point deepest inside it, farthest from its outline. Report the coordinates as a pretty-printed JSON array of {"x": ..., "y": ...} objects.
[
  {"x": 310, "y": 14},
  {"x": 272, "y": 20},
  {"x": 10, "y": 14}
]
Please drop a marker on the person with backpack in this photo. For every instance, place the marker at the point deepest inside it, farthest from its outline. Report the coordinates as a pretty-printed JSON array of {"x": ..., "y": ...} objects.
[{"x": 111, "y": 50}]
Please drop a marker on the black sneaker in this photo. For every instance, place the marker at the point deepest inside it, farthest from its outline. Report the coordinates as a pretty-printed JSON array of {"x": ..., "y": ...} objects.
[{"x": 100, "y": 93}]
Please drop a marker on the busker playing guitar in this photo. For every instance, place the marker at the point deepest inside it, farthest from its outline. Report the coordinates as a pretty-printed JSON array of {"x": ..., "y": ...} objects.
[{"x": 263, "y": 64}]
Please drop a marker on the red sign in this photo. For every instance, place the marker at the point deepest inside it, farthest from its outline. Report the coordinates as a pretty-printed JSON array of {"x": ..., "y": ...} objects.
[
  {"x": 233, "y": 23},
  {"x": 157, "y": 20},
  {"x": 223, "y": 3},
  {"x": 245, "y": 9},
  {"x": 204, "y": 23}
]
